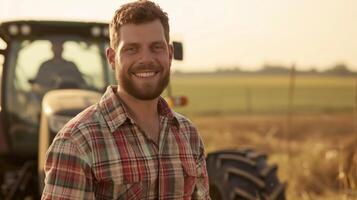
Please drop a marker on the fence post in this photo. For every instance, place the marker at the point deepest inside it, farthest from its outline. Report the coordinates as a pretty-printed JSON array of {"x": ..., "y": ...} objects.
[
  {"x": 248, "y": 97},
  {"x": 355, "y": 109},
  {"x": 290, "y": 108}
]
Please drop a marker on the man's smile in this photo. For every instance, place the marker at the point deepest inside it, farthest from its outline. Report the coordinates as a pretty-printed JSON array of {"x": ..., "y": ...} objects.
[{"x": 145, "y": 74}]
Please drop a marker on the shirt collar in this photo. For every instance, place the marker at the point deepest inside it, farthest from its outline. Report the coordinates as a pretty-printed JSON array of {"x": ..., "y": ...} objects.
[{"x": 114, "y": 113}]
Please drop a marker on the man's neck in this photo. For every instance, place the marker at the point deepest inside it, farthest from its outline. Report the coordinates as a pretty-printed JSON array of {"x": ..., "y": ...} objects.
[
  {"x": 138, "y": 109},
  {"x": 144, "y": 113}
]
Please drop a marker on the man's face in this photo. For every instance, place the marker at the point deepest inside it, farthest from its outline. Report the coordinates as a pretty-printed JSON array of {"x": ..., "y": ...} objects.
[{"x": 142, "y": 60}]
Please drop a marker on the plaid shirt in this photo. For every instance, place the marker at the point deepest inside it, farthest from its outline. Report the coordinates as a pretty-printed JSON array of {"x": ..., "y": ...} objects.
[{"x": 103, "y": 154}]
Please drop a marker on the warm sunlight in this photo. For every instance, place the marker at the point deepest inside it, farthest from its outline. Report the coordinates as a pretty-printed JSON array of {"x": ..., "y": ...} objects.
[
  {"x": 233, "y": 33},
  {"x": 269, "y": 88}
]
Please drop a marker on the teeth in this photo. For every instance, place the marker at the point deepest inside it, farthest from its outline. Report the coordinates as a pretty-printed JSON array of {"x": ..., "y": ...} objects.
[{"x": 145, "y": 74}]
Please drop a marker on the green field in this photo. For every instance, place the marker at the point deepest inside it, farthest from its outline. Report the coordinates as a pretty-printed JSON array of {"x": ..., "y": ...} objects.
[{"x": 218, "y": 94}]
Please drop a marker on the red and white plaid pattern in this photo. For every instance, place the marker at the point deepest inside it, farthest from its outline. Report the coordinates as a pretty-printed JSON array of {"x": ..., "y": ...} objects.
[{"x": 102, "y": 154}]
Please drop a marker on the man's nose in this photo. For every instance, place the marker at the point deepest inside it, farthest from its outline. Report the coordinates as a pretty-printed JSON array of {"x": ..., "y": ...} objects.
[{"x": 147, "y": 56}]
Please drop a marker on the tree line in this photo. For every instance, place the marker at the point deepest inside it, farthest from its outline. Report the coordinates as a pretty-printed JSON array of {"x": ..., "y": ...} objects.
[{"x": 336, "y": 70}]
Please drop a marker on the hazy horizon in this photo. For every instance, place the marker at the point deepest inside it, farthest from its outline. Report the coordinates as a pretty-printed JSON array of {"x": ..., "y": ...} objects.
[{"x": 247, "y": 34}]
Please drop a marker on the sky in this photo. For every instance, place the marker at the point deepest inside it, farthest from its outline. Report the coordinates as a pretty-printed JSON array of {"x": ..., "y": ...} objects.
[{"x": 232, "y": 33}]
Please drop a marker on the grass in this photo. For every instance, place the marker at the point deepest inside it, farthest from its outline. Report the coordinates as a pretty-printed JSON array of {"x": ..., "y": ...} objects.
[
  {"x": 309, "y": 162},
  {"x": 263, "y": 94}
]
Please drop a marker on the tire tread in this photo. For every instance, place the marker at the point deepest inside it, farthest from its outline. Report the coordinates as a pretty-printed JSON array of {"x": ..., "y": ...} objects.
[{"x": 244, "y": 174}]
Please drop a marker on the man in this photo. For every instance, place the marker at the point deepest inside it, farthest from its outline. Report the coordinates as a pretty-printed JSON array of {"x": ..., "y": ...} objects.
[
  {"x": 130, "y": 145},
  {"x": 56, "y": 72}
]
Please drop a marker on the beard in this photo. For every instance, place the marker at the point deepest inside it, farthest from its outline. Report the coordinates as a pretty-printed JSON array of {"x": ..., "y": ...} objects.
[{"x": 147, "y": 91}]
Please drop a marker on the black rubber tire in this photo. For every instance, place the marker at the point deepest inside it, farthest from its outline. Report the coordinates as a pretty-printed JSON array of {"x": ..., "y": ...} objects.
[{"x": 243, "y": 175}]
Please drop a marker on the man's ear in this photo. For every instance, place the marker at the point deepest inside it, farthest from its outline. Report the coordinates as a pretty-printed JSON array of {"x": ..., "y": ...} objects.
[{"x": 110, "y": 53}]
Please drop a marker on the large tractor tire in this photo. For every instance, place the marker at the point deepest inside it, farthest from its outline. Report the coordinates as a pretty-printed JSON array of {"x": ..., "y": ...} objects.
[{"x": 243, "y": 175}]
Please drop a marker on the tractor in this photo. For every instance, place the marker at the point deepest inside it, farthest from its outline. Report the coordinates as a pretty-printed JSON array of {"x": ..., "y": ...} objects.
[{"x": 31, "y": 114}]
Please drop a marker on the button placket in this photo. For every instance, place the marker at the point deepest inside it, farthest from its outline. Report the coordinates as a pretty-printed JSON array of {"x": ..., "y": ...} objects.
[{"x": 162, "y": 138}]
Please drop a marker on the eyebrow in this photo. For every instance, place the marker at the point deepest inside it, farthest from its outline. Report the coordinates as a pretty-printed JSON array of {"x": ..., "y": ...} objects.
[
  {"x": 158, "y": 42},
  {"x": 131, "y": 44},
  {"x": 138, "y": 44}
]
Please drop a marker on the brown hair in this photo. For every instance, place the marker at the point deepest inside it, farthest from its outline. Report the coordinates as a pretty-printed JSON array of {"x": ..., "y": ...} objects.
[{"x": 138, "y": 12}]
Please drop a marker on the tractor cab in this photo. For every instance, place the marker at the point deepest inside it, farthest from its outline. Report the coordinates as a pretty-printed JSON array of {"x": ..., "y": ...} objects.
[{"x": 40, "y": 56}]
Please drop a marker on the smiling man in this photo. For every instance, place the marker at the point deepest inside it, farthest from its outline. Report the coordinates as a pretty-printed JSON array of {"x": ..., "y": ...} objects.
[{"x": 130, "y": 145}]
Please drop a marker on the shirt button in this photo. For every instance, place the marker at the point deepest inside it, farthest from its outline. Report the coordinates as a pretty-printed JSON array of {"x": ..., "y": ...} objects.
[{"x": 200, "y": 193}]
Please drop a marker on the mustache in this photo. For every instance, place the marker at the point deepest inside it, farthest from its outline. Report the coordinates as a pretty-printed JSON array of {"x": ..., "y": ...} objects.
[{"x": 146, "y": 67}]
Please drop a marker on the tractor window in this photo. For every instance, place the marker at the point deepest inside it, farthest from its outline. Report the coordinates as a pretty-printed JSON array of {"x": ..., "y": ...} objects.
[
  {"x": 38, "y": 66},
  {"x": 2, "y": 46},
  {"x": 28, "y": 64},
  {"x": 87, "y": 57}
]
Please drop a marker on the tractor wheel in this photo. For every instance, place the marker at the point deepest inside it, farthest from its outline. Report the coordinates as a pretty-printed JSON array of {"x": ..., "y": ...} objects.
[{"x": 243, "y": 175}]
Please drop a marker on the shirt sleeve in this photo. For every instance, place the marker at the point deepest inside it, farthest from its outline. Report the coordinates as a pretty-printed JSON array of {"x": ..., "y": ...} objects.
[
  {"x": 68, "y": 176},
  {"x": 201, "y": 191}
]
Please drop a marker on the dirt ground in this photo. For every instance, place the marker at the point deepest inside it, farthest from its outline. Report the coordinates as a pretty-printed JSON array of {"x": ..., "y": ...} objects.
[{"x": 309, "y": 152}]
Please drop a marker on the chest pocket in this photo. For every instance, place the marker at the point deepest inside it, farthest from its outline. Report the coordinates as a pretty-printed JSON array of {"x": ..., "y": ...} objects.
[
  {"x": 108, "y": 189},
  {"x": 189, "y": 177},
  {"x": 125, "y": 180}
]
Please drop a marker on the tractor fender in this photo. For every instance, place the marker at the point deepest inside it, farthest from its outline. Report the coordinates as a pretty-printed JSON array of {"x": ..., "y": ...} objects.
[{"x": 58, "y": 107}]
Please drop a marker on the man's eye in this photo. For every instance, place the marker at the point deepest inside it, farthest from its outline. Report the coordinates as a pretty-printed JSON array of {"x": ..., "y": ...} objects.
[
  {"x": 130, "y": 50},
  {"x": 158, "y": 48}
]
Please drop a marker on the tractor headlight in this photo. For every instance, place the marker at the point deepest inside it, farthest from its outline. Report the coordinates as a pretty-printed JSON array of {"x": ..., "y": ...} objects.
[
  {"x": 25, "y": 29},
  {"x": 56, "y": 122},
  {"x": 13, "y": 29}
]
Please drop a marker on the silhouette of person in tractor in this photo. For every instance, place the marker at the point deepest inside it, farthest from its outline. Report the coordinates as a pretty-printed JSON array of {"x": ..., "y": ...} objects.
[{"x": 57, "y": 73}]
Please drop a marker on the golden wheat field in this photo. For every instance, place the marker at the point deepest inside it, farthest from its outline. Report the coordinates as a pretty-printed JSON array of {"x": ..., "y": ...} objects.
[
  {"x": 309, "y": 161},
  {"x": 314, "y": 154}
]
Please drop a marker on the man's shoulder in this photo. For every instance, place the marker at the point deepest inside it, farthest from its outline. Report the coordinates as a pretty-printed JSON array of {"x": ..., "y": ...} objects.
[
  {"x": 182, "y": 119},
  {"x": 55, "y": 64},
  {"x": 47, "y": 63},
  {"x": 78, "y": 134},
  {"x": 67, "y": 63},
  {"x": 185, "y": 123},
  {"x": 88, "y": 120},
  {"x": 189, "y": 130}
]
